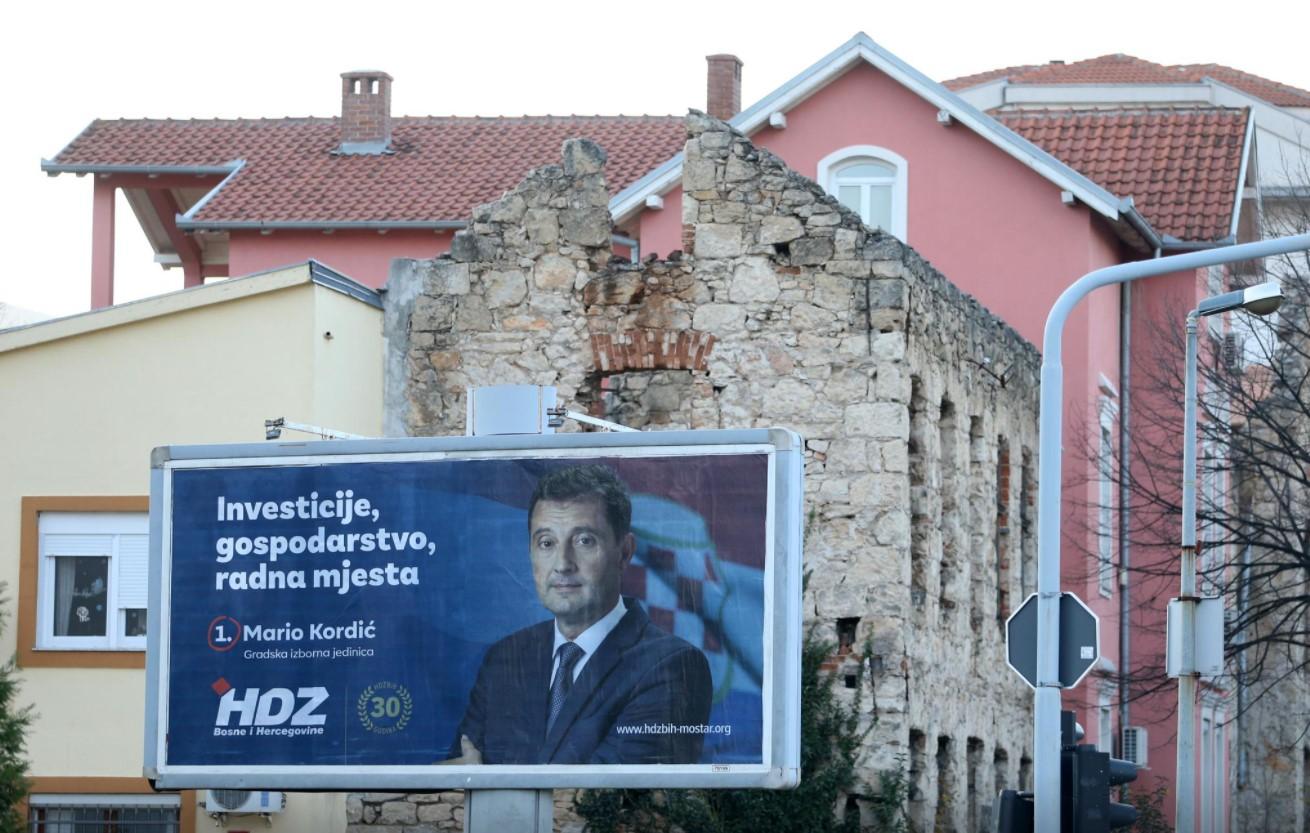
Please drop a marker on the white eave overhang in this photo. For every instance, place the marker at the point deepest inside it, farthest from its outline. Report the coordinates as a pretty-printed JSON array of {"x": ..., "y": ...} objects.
[{"x": 862, "y": 48}]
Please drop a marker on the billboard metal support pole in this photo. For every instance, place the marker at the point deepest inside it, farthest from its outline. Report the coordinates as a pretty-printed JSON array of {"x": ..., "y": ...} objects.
[{"x": 1046, "y": 699}]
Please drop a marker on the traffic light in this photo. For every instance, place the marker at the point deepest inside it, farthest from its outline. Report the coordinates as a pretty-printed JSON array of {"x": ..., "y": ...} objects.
[
  {"x": 1086, "y": 776},
  {"x": 1014, "y": 812}
]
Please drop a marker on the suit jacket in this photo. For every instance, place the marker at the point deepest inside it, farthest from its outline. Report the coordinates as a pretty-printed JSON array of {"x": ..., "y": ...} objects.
[{"x": 639, "y": 677}]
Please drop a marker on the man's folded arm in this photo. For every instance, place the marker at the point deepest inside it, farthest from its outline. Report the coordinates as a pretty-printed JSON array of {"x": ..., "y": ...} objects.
[
  {"x": 473, "y": 727},
  {"x": 675, "y": 692}
]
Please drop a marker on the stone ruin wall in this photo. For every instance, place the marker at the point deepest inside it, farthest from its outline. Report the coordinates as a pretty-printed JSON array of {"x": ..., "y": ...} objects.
[{"x": 919, "y": 410}]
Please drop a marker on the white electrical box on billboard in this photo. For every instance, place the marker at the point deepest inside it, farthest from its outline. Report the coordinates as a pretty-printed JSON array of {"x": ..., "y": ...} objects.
[{"x": 518, "y": 612}]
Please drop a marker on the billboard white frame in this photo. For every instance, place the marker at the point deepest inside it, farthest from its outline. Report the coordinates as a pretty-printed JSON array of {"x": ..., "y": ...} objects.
[{"x": 780, "y": 766}]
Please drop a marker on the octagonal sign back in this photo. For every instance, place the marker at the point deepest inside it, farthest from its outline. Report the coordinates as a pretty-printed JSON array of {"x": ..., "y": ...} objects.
[{"x": 1080, "y": 640}]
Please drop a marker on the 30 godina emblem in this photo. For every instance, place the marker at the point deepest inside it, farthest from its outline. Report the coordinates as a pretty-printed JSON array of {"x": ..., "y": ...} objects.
[{"x": 384, "y": 708}]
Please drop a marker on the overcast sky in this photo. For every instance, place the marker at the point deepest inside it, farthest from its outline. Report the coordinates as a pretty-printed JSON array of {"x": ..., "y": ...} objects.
[{"x": 66, "y": 65}]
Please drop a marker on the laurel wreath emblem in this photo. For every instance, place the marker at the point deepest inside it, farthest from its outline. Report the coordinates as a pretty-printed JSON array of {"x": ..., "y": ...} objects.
[{"x": 374, "y": 707}]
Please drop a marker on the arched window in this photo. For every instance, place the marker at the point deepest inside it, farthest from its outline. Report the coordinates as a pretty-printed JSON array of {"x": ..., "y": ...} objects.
[{"x": 870, "y": 181}]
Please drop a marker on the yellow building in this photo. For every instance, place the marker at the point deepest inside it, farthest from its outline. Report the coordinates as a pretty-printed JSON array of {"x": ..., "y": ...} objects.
[{"x": 83, "y": 400}]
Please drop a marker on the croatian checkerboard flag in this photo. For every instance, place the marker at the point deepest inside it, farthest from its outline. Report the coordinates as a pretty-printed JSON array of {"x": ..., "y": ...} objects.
[{"x": 711, "y": 595}]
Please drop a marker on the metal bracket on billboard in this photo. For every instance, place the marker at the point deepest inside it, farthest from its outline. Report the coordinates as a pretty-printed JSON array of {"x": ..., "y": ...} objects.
[
  {"x": 558, "y": 415},
  {"x": 273, "y": 429}
]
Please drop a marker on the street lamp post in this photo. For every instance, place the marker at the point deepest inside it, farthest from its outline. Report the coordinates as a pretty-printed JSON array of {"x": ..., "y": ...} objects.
[
  {"x": 1257, "y": 300},
  {"x": 1046, "y": 697}
]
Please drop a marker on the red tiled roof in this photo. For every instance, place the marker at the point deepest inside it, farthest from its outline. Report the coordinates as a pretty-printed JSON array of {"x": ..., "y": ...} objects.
[
  {"x": 1280, "y": 95},
  {"x": 1180, "y": 166},
  {"x": 1125, "y": 69},
  {"x": 441, "y": 167}
]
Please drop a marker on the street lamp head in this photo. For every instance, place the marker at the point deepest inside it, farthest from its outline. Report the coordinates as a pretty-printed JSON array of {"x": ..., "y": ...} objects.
[{"x": 1261, "y": 299}]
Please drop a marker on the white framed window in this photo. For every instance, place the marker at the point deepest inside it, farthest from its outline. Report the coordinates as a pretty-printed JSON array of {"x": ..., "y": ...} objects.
[
  {"x": 91, "y": 581},
  {"x": 871, "y": 181},
  {"x": 64, "y": 813},
  {"x": 1105, "y": 497}
]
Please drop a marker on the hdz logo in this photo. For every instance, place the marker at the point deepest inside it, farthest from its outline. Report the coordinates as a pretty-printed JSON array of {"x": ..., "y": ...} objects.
[{"x": 278, "y": 712}]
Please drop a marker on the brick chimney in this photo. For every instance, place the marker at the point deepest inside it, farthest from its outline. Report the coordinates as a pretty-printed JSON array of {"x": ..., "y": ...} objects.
[
  {"x": 723, "y": 96},
  {"x": 365, "y": 112}
]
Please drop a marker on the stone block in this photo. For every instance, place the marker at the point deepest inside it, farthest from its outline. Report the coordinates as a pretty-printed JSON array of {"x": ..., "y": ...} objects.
[
  {"x": 889, "y": 347},
  {"x": 811, "y": 318},
  {"x": 432, "y": 312},
  {"x": 790, "y": 397},
  {"x": 508, "y": 209},
  {"x": 623, "y": 288},
  {"x": 730, "y": 212},
  {"x": 447, "y": 277},
  {"x": 397, "y": 812},
  {"x": 436, "y": 813},
  {"x": 811, "y": 251},
  {"x": 775, "y": 229},
  {"x": 754, "y": 280},
  {"x": 504, "y": 289},
  {"x": 738, "y": 170},
  {"x": 882, "y": 420},
  {"x": 719, "y": 320},
  {"x": 582, "y": 157},
  {"x": 888, "y": 293},
  {"x": 472, "y": 314},
  {"x": 833, "y": 292},
  {"x": 698, "y": 175},
  {"x": 541, "y": 226},
  {"x": 718, "y": 240},
  {"x": 585, "y": 226},
  {"x": 554, "y": 272},
  {"x": 468, "y": 247}
]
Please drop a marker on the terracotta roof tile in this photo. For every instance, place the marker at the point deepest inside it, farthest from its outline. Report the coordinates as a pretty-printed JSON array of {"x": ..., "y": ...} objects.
[
  {"x": 1180, "y": 166},
  {"x": 1125, "y": 69},
  {"x": 441, "y": 167},
  {"x": 1280, "y": 95}
]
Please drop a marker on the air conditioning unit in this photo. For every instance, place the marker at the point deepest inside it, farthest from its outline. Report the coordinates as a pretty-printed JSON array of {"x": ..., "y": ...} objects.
[
  {"x": 244, "y": 801},
  {"x": 1135, "y": 745},
  {"x": 1233, "y": 352}
]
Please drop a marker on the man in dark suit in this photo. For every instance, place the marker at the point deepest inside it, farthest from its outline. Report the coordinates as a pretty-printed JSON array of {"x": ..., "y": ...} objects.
[{"x": 598, "y": 684}]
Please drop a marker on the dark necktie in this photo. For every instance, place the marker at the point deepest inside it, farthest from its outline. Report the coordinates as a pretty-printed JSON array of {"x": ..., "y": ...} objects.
[{"x": 569, "y": 654}]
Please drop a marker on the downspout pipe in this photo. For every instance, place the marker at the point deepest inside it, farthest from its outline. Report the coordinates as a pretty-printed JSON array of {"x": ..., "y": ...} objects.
[{"x": 1046, "y": 698}]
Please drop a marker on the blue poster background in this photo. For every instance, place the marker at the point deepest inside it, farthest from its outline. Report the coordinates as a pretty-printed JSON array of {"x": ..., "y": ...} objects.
[{"x": 392, "y": 686}]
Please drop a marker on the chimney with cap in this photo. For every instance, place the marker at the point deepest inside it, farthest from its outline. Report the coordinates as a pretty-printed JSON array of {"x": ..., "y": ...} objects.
[
  {"x": 723, "y": 96},
  {"x": 365, "y": 112}
]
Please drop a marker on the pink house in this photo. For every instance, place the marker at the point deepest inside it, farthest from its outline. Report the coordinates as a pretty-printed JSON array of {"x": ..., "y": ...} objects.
[{"x": 1012, "y": 183}]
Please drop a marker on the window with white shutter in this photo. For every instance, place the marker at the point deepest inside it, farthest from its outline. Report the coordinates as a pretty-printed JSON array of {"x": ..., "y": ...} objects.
[{"x": 92, "y": 579}]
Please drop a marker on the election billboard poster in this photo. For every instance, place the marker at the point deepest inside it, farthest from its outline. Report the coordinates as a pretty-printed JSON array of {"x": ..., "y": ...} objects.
[{"x": 538, "y": 611}]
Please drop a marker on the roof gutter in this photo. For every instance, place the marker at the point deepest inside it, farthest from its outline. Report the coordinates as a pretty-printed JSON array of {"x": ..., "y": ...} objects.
[
  {"x": 1173, "y": 244},
  {"x": 55, "y": 168},
  {"x": 318, "y": 225},
  {"x": 1128, "y": 211}
]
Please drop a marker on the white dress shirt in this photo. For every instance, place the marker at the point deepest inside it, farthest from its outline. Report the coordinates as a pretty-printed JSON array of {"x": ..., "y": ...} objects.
[{"x": 589, "y": 640}]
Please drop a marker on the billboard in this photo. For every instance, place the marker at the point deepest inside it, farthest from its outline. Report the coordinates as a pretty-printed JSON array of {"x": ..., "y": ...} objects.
[{"x": 493, "y": 612}]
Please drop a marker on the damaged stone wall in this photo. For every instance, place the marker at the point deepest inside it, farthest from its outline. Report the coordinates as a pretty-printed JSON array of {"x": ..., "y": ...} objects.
[{"x": 918, "y": 406}]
